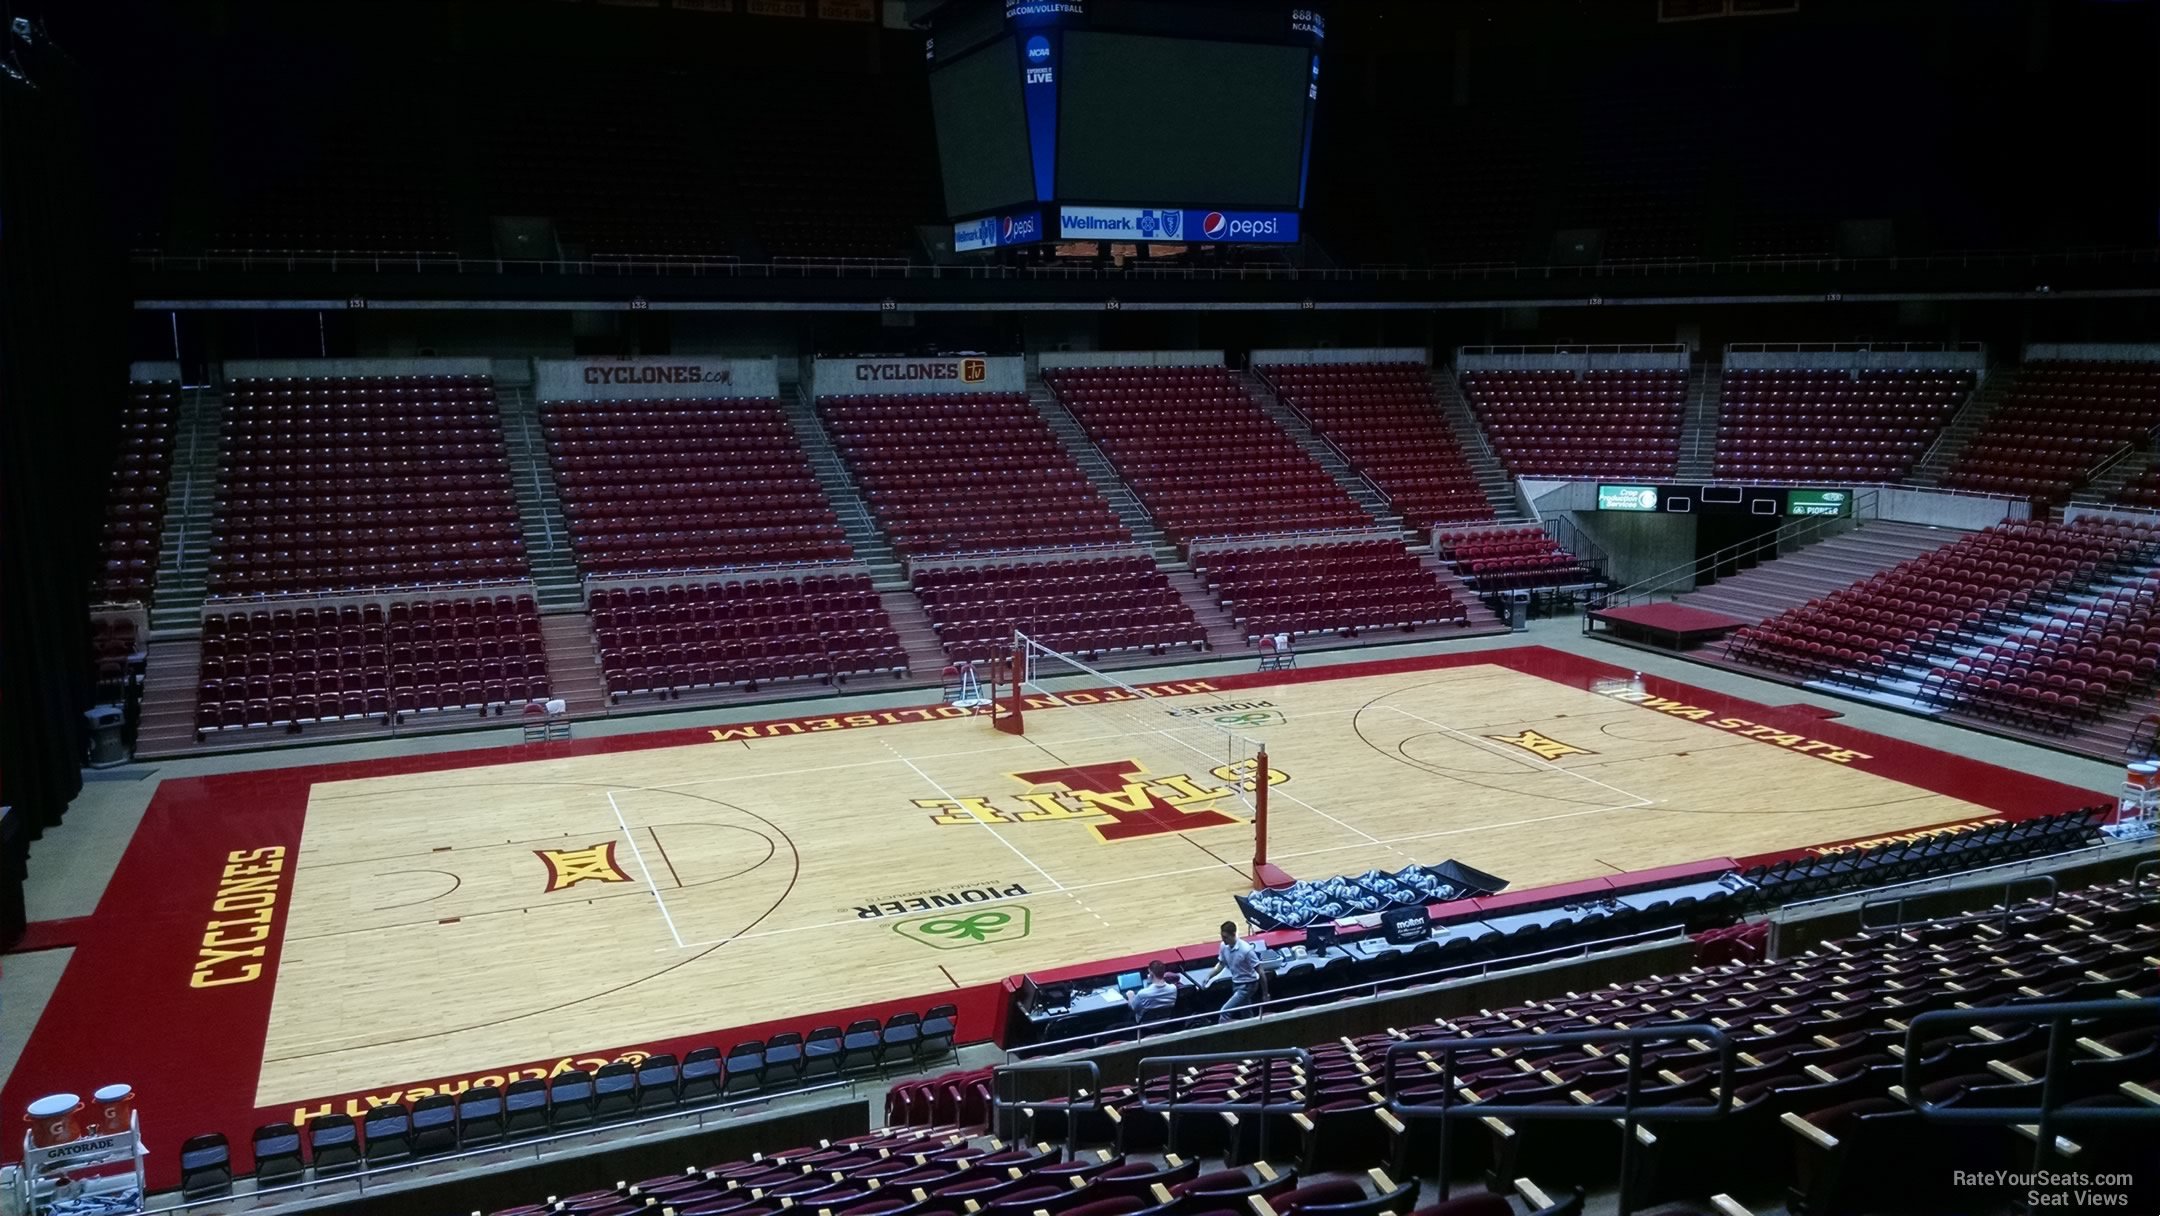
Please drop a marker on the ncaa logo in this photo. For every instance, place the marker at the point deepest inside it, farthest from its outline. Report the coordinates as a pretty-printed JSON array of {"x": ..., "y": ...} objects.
[
  {"x": 1214, "y": 225},
  {"x": 1038, "y": 49}
]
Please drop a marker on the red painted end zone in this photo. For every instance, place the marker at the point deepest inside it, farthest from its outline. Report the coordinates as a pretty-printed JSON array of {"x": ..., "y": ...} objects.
[{"x": 159, "y": 992}]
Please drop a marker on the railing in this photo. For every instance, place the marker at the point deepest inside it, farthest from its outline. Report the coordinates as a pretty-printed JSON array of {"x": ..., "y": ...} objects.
[
  {"x": 1302, "y": 419},
  {"x": 384, "y": 595},
  {"x": 723, "y": 574},
  {"x": 1364, "y": 990},
  {"x": 1281, "y": 540},
  {"x": 1810, "y": 348},
  {"x": 1036, "y": 553},
  {"x": 1569, "y": 537},
  {"x": 1628, "y": 1109},
  {"x": 368, "y": 1179},
  {"x": 1470, "y": 271},
  {"x": 1079, "y": 1099},
  {"x": 1172, "y": 1069},
  {"x": 2144, "y": 741},
  {"x": 2053, "y": 1109},
  {"x": 535, "y": 454},
  {"x": 1579, "y": 348},
  {"x": 2008, "y": 904},
  {"x": 1644, "y": 591},
  {"x": 1970, "y": 405}
]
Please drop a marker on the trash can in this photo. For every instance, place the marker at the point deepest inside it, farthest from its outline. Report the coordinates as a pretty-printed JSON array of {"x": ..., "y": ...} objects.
[
  {"x": 1518, "y": 610},
  {"x": 105, "y": 723}
]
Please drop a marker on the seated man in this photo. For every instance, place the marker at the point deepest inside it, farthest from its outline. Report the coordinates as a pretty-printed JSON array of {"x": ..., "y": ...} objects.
[{"x": 1155, "y": 999}]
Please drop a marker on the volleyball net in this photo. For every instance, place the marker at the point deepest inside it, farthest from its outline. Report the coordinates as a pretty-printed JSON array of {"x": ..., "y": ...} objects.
[{"x": 1093, "y": 705}]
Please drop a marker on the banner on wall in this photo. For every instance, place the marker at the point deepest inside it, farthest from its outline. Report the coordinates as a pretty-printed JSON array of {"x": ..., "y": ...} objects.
[
  {"x": 847, "y": 10},
  {"x": 653, "y": 376},
  {"x": 1176, "y": 224},
  {"x": 991, "y": 231},
  {"x": 938, "y": 374}
]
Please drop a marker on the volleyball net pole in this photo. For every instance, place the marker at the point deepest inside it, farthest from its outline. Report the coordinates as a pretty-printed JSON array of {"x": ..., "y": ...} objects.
[{"x": 1241, "y": 762}]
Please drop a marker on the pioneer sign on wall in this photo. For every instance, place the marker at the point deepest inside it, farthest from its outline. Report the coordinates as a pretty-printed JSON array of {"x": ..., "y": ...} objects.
[
  {"x": 653, "y": 376},
  {"x": 935, "y": 374}
]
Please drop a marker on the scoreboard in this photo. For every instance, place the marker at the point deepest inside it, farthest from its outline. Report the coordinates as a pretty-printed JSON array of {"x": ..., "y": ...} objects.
[{"x": 1136, "y": 120}]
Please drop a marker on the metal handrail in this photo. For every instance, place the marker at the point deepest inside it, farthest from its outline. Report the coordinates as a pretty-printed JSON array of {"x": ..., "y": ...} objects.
[
  {"x": 534, "y": 455},
  {"x": 1172, "y": 1068},
  {"x": 2052, "y": 1110},
  {"x": 1476, "y": 969},
  {"x": 1866, "y": 504},
  {"x": 1448, "y": 1109},
  {"x": 725, "y": 266},
  {"x": 1893, "y": 347},
  {"x": 2008, "y": 903},
  {"x": 1304, "y": 419},
  {"x": 1078, "y": 1099},
  {"x": 534, "y": 1148}
]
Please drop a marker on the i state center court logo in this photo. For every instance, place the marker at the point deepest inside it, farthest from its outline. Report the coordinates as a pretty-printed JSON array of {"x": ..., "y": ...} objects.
[
  {"x": 569, "y": 867},
  {"x": 1118, "y": 799}
]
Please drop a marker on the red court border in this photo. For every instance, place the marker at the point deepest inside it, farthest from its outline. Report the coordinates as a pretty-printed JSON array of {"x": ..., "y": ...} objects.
[{"x": 124, "y": 1010}]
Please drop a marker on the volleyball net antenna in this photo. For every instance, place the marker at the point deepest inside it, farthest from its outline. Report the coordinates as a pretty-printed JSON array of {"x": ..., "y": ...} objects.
[{"x": 1040, "y": 676}]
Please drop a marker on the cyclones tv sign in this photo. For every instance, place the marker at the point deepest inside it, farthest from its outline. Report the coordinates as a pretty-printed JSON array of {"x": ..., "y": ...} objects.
[{"x": 653, "y": 376}]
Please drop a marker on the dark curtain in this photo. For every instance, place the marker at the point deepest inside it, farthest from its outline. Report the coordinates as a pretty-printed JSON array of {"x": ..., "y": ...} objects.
[{"x": 62, "y": 332}]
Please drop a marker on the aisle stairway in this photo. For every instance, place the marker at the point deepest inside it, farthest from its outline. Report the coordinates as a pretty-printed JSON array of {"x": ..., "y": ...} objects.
[
  {"x": 183, "y": 569},
  {"x": 546, "y": 532},
  {"x": 1965, "y": 424},
  {"x": 886, "y": 572},
  {"x": 1100, "y": 475},
  {"x": 573, "y": 661},
  {"x": 1820, "y": 568},
  {"x": 1492, "y": 477},
  {"x": 1323, "y": 453},
  {"x": 1699, "y": 429}
]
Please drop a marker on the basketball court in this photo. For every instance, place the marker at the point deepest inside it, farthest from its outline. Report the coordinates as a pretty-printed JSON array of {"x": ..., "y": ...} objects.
[{"x": 317, "y": 936}]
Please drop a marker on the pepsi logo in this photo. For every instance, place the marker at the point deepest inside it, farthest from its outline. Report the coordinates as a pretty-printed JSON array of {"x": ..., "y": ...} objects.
[
  {"x": 1214, "y": 225},
  {"x": 1008, "y": 229},
  {"x": 1038, "y": 49}
]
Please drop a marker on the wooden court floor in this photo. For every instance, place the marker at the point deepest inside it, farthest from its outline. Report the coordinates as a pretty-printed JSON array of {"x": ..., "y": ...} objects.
[{"x": 449, "y": 921}]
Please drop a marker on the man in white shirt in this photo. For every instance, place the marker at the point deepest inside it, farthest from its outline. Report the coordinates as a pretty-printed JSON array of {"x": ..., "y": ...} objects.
[
  {"x": 1241, "y": 960},
  {"x": 1154, "y": 999}
]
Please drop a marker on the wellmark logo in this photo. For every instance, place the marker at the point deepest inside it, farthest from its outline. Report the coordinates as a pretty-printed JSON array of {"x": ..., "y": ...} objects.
[
  {"x": 958, "y": 931},
  {"x": 569, "y": 867},
  {"x": 1544, "y": 747}
]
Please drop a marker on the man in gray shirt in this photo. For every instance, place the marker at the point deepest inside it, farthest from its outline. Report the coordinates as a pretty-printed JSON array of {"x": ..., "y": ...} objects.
[
  {"x": 1154, "y": 999},
  {"x": 1242, "y": 961}
]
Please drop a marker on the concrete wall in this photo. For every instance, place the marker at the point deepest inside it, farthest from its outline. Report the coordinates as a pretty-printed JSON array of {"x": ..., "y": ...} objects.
[
  {"x": 1638, "y": 546},
  {"x": 1857, "y": 360},
  {"x": 1130, "y": 358},
  {"x": 2099, "y": 352},
  {"x": 607, "y": 379},
  {"x": 1355, "y": 354},
  {"x": 1972, "y": 512},
  {"x": 148, "y": 369},
  {"x": 940, "y": 374},
  {"x": 238, "y": 368},
  {"x": 1474, "y": 359}
]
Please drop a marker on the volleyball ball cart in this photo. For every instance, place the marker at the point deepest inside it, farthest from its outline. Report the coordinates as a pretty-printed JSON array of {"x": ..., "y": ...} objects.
[{"x": 77, "y": 1163}]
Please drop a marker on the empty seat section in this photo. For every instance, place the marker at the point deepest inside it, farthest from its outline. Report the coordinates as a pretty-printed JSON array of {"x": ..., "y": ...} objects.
[
  {"x": 741, "y": 631},
  {"x": 1202, "y": 456},
  {"x": 2038, "y": 623},
  {"x": 2058, "y": 422},
  {"x": 1338, "y": 587},
  {"x": 1384, "y": 420},
  {"x": 1832, "y": 425},
  {"x": 356, "y": 483},
  {"x": 1082, "y": 605},
  {"x": 1512, "y": 559},
  {"x": 331, "y": 661},
  {"x": 965, "y": 473},
  {"x": 135, "y": 497},
  {"x": 686, "y": 484},
  {"x": 1594, "y": 424}
]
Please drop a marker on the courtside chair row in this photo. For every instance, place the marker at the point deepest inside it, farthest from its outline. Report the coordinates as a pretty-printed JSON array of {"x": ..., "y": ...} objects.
[{"x": 335, "y": 1144}]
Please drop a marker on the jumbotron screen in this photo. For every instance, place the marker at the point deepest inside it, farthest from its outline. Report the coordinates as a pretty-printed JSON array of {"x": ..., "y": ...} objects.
[
  {"x": 1171, "y": 121},
  {"x": 981, "y": 130}
]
